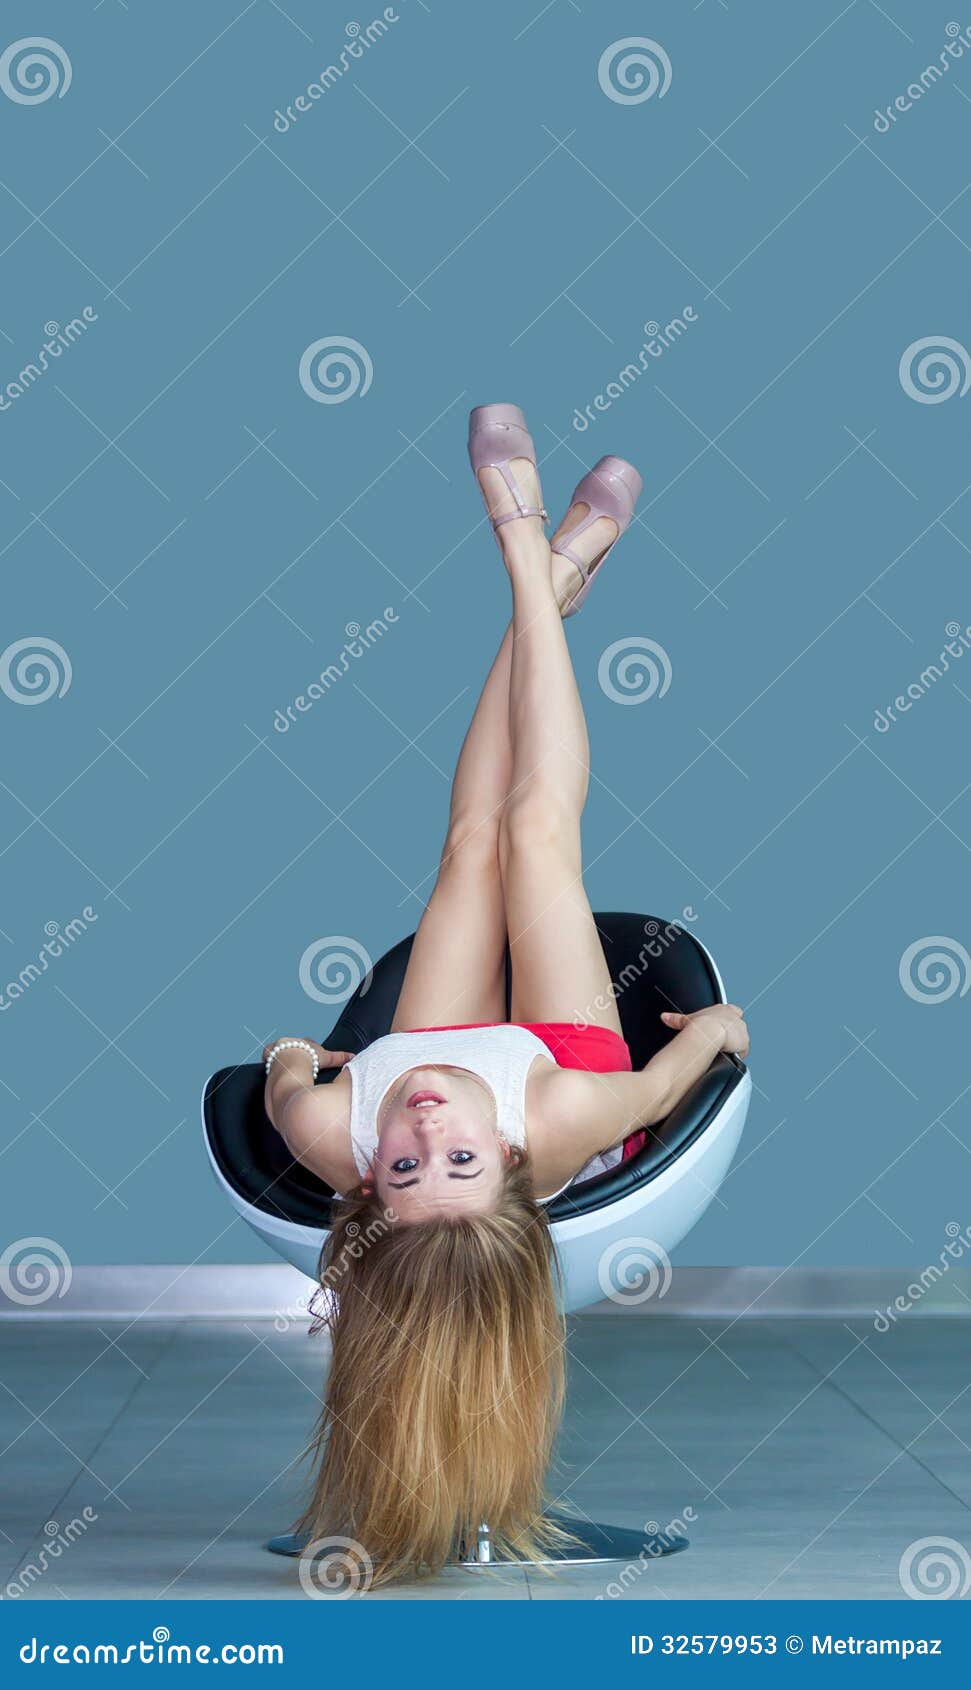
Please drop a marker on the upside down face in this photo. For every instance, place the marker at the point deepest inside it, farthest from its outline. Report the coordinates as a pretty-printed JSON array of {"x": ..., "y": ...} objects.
[{"x": 439, "y": 1151}]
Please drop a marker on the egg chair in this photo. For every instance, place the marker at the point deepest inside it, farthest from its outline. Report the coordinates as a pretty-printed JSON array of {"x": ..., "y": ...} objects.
[{"x": 613, "y": 1234}]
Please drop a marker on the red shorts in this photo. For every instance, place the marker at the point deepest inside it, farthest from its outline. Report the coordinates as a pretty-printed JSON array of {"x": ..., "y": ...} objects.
[{"x": 595, "y": 1049}]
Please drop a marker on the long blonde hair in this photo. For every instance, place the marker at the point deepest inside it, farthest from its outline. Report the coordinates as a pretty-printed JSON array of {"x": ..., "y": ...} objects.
[{"x": 446, "y": 1385}]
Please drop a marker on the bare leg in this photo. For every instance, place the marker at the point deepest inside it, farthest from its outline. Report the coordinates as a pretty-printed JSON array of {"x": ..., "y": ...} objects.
[
  {"x": 558, "y": 965},
  {"x": 456, "y": 971}
]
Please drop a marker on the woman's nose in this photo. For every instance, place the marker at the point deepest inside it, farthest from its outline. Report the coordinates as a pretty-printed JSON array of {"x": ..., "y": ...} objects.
[{"x": 428, "y": 1122}]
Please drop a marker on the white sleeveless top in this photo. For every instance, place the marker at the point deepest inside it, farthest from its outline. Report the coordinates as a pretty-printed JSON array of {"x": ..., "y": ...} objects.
[{"x": 501, "y": 1057}]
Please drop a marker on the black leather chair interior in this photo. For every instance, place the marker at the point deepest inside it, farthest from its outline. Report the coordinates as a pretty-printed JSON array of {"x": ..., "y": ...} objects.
[{"x": 255, "y": 1162}]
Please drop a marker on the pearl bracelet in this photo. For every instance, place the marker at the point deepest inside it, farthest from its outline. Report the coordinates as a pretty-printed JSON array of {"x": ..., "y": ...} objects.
[{"x": 293, "y": 1044}]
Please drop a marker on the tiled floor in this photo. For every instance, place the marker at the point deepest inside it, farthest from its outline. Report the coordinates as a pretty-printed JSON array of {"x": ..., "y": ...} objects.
[{"x": 811, "y": 1456}]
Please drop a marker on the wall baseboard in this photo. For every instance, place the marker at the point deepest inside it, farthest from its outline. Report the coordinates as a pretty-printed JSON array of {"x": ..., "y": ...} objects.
[{"x": 267, "y": 1291}]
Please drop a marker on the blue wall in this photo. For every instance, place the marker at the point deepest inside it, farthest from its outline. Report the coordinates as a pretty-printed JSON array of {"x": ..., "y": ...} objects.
[{"x": 470, "y": 204}]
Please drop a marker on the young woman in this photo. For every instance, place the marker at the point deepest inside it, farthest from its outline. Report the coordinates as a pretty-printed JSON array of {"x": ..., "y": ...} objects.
[{"x": 450, "y": 1134}]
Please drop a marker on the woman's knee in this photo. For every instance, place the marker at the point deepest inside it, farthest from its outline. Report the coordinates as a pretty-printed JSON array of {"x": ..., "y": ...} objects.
[
  {"x": 471, "y": 844},
  {"x": 537, "y": 822}
]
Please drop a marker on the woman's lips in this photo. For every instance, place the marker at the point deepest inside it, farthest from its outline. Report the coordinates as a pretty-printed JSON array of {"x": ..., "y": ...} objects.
[{"x": 424, "y": 1100}]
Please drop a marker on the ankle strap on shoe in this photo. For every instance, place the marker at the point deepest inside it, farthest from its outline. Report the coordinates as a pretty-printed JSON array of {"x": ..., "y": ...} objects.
[{"x": 513, "y": 516}]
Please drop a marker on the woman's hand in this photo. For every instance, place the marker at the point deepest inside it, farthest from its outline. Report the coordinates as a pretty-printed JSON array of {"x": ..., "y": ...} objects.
[
  {"x": 591, "y": 1112},
  {"x": 325, "y": 1058},
  {"x": 721, "y": 1023}
]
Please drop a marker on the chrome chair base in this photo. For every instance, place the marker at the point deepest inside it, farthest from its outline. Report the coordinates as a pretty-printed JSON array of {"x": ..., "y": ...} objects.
[{"x": 592, "y": 1544}]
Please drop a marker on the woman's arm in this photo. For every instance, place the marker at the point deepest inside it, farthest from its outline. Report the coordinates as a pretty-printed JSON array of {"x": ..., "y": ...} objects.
[
  {"x": 309, "y": 1118},
  {"x": 580, "y": 1114}
]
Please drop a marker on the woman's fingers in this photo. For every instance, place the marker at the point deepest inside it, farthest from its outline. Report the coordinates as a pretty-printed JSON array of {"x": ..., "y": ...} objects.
[
  {"x": 325, "y": 1058},
  {"x": 329, "y": 1058},
  {"x": 726, "y": 1019},
  {"x": 677, "y": 1018},
  {"x": 334, "y": 1058}
]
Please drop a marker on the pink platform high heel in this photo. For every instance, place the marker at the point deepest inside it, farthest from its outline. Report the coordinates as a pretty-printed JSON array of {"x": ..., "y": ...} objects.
[
  {"x": 497, "y": 435},
  {"x": 612, "y": 488}
]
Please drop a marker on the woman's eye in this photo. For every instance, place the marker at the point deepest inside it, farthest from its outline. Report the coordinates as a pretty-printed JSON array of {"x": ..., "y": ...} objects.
[
  {"x": 404, "y": 1164},
  {"x": 461, "y": 1156}
]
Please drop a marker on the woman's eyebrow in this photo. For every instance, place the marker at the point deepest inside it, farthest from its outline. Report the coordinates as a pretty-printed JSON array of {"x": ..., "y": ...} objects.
[{"x": 403, "y": 1185}]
